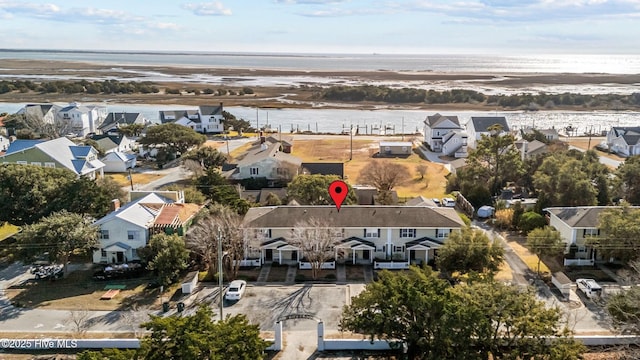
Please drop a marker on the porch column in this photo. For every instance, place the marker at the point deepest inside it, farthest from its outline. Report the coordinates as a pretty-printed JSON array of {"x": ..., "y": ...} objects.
[
  {"x": 279, "y": 256},
  {"x": 389, "y": 235},
  {"x": 370, "y": 256},
  {"x": 298, "y": 256}
]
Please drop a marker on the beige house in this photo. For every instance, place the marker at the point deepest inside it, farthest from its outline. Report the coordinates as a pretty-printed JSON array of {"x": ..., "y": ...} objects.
[
  {"x": 265, "y": 160},
  {"x": 384, "y": 236}
]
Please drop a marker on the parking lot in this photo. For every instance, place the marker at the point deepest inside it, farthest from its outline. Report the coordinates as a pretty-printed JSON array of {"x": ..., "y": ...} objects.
[{"x": 264, "y": 305}]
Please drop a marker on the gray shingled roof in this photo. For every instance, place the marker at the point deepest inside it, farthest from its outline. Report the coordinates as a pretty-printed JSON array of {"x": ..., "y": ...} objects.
[
  {"x": 434, "y": 120},
  {"x": 631, "y": 130},
  {"x": 120, "y": 118},
  {"x": 256, "y": 154},
  {"x": 354, "y": 216},
  {"x": 482, "y": 124},
  {"x": 211, "y": 110},
  {"x": 580, "y": 216}
]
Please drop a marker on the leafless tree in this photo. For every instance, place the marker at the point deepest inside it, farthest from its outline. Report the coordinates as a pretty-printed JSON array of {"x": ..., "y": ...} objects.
[
  {"x": 316, "y": 239},
  {"x": 133, "y": 318},
  {"x": 202, "y": 238},
  {"x": 383, "y": 174},
  {"x": 422, "y": 170},
  {"x": 79, "y": 319}
]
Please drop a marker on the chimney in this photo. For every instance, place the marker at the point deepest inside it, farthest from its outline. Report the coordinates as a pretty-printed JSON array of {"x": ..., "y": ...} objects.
[
  {"x": 115, "y": 204},
  {"x": 524, "y": 150}
]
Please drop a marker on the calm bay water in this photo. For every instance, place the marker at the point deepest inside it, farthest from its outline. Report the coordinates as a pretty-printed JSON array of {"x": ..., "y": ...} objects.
[
  {"x": 335, "y": 120},
  {"x": 614, "y": 64}
]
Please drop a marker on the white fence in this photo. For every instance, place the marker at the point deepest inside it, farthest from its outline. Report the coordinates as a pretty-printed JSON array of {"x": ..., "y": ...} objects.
[
  {"x": 249, "y": 262},
  {"x": 327, "y": 265},
  {"x": 390, "y": 265},
  {"x": 578, "y": 262}
]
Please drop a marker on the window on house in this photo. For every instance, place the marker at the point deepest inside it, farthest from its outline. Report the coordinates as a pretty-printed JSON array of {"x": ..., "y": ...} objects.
[
  {"x": 407, "y": 233},
  {"x": 253, "y": 171},
  {"x": 134, "y": 253},
  {"x": 104, "y": 234},
  {"x": 582, "y": 248},
  {"x": 103, "y": 253},
  {"x": 282, "y": 171},
  {"x": 398, "y": 249},
  {"x": 591, "y": 232},
  {"x": 372, "y": 233},
  {"x": 443, "y": 233},
  {"x": 133, "y": 235},
  {"x": 266, "y": 232},
  {"x": 37, "y": 163},
  {"x": 49, "y": 165},
  {"x": 21, "y": 162}
]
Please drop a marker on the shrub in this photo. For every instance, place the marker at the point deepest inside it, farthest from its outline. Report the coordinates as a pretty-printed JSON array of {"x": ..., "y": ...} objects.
[
  {"x": 330, "y": 276},
  {"x": 300, "y": 278}
]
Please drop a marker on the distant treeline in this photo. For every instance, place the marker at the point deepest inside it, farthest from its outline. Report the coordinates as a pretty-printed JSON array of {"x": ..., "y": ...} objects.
[
  {"x": 105, "y": 87},
  {"x": 408, "y": 95},
  {"x": 79, "y": 87}
]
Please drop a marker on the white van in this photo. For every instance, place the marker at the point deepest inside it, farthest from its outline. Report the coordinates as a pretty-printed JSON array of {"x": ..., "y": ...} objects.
[{"x": 589, "y": 287}]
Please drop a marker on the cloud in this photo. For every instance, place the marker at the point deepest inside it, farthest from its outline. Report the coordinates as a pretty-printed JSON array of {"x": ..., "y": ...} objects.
[
  {"x": 102, "y": 15},
  {"x": 163, "y": 26},
  {"x": 214, "y": 8},
  {"x": 521, "y": 10},
  {"x": 10, "y": 8}
]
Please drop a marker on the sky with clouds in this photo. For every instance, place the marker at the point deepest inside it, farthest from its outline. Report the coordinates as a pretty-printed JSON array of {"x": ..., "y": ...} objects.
[{"x": 326, "y": 26}]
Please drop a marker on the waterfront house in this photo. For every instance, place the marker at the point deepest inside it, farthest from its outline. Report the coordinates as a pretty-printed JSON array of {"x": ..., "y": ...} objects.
[
  {"x": 624, "y": 140},
  {"x": 56, "y": 153},
  {"x": 205, "y": 120},
  {"x": 45, "y": 113},
  {"x": 385, "y": 236},
  {"x": 116, "y": 119},
  {"x": 81, "y": 120},
  {"x": 455, "y": 144},
  {"x": 126, "y": 229},
  {"x": 436, "y": 126},
  {"x": 478, "y": 126}
]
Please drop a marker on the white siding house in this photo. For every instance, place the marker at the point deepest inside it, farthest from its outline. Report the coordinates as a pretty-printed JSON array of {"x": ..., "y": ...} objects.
[
  {"x": 624, "y": 141},
  {"x": 436, "y": 127},
  {"x": 478, "y": 126}
]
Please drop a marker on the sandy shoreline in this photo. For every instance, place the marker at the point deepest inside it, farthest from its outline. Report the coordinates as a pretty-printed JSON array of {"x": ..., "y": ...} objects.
[{"x": 287, "y": 88}]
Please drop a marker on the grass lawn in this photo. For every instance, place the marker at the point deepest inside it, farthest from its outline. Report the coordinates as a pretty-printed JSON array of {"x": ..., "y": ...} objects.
[
  {"x": 596, "y": 274},
  {"x": 583, "y": 143},
  {"x": 505, "y": 273},
  {"x": 79, "y": 291},
  {"x": 7, "y": 230},
  {"x": 354, "y": 272},
  {"x": 528, "y": 258},
  {"x": 338, "y": 149},
  {"x": 138, "y": 178},
  {"x": 321, "y": 276}
]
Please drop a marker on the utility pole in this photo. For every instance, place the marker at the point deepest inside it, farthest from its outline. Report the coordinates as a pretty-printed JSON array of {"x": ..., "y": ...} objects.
[
  {"x": 403, "y": 128},
  {"x": 220, "y": 271},
  {"x": 131, "y": 179},
  {"x": 351, "y": 142}
]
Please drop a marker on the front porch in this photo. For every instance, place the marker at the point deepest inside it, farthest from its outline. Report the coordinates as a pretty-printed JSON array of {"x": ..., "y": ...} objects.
[{"x": 355, "y": 251}]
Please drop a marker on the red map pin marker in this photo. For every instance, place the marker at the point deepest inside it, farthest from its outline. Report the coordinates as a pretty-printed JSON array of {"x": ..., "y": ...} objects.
[{"x": 338, "y": 191}]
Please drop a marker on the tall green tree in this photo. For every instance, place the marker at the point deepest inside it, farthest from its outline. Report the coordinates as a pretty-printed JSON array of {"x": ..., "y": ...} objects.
[
  {"x": 411, "y": 307},
  {"x": 60, "y": 234},
  {"x": 494, "y": 161},
  {"x": 562, "y": 181},
  {"x": 193, "y": 337},
  {"x": 470, "y": 250},
  {"x": 28, "y": 193},
  {"x": 166, "y": 255},
  {"x": 509, "y": 323},
  {"x": 131, "y": 129},
  {"x": 545, "y": 241},
  {"x": 629, "y": 174},
  {"x": 624, "y": 306},
  {"x": 172, "y": 137},
  {"x": 314, "y": 190},
  {"x": 482, "y": 319},
  {"x": 207, "y": 157},
  {"x": 619, "y": 234},
  {"x": 219, "y": 190}
]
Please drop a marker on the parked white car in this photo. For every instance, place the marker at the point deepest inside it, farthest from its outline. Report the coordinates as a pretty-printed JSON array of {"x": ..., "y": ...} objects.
[
  {"x": 448, "y": 202},
  {"x": 589, "y": 287},
  {"x": 436, "y": 201},
  {"x": 236, "y": 290}
]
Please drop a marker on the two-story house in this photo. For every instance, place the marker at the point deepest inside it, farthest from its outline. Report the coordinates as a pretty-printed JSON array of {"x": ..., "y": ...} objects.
[
  {"x": 56, "y": 153},
  {"x": 207, "y": 119},
  {"x": 368, "y": 234},
  {"x": 478, "y": 126},
  {"x": 436, "y": 126},
  {"x": 624, "y": 141},
  {"x": 576, "y": 224},
  {"x": 40, "y": 112},
  {"x": 128, "y": 228},
  {"x": 82, "y": 120}
]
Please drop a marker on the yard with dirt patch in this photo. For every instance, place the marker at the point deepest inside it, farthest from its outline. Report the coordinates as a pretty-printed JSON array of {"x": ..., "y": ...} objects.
[{"x": 138, "y": 178}]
